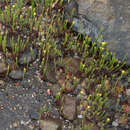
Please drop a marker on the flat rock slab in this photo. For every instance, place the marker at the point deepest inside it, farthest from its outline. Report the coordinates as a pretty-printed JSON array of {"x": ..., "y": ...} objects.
[{"x": 114, "y": 16}]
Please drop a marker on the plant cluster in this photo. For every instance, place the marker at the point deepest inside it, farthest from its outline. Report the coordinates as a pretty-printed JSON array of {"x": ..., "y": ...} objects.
[{"x": 45, "y": 24}]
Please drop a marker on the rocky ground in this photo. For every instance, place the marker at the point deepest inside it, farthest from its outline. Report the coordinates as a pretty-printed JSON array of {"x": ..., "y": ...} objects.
[{"x": 58, "y": 100}]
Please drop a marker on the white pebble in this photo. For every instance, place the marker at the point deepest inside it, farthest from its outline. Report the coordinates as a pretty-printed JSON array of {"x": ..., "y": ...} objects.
[
  {"x": 80, "y": 116},
  {"x": 115, "y": 124}
]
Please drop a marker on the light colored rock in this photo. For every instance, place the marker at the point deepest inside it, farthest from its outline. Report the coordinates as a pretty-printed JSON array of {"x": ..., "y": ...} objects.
[
  {"x": 115, "y": 123},
  {"x": 127, "y": 92},
  {"x": 50, "y": 124},
  {"x": 68, "y": 107},
  {"x": 3, "y": 68}
]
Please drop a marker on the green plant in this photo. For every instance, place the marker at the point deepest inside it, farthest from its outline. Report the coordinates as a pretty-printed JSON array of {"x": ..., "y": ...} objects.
[{"x": 26, "y": 25}]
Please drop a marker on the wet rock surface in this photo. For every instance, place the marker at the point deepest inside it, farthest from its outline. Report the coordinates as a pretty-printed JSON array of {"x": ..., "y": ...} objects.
[{"x": 113, "y": 15}]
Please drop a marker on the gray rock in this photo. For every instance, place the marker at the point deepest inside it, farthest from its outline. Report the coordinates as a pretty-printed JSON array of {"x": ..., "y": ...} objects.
[
  {"x": 50, "y": 124},
  {"x": 71, "y": 10},
  {"x": 114, "y": 16},
  {"x": 27, "y": 57},
  {"x": 50, "y": 74},
  {"x": 68, "y": 107},
  {"x": 16, "y": 74},
  {"x": 55, "y": 89},
  {"x": 85, "y": 27},
  {"x": 34, "y": 115}
]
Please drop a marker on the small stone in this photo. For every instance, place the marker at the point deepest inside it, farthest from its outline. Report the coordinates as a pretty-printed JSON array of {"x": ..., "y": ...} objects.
[
  {"x": 50, "y": 74},
  {"x": 68, "y": 107},
  {"x": 3, "y": 68},
  {"x": 80, "y": 116},
  {"x": 115, "y": 123},
  {"x": 16, "y": 74},
  {"x": 27, "y": 57},
  {"x": 55, "y": 89},
  {"x": 1, "y": 82},
  {"x": 15, "y": 124},
  {"x": 49, "y": 92},
  {"x": 128, "y": 92},
  {"x": 50, "y": 124}
]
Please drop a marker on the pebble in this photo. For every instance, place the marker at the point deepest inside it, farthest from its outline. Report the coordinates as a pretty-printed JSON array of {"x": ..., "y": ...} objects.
[
  {"x": 115, "y": 123},
  {"x": 16, "y": 74},
  {"x": 80, "y": 116}
]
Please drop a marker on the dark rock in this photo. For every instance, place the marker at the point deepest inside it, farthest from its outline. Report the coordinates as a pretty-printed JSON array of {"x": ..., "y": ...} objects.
[
  {"x": 34, "y": 115},
  {"x": 16, "y": 74},
  {"x": 27, "y": 57},
  {"x": 50, "y": 74},
  {"x": 68, "y": 107},
  {"x": 50, "y": 124}
]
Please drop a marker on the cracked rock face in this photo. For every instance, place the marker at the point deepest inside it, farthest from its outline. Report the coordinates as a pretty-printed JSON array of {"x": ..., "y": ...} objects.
[{"x": 114, "y": 16}]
